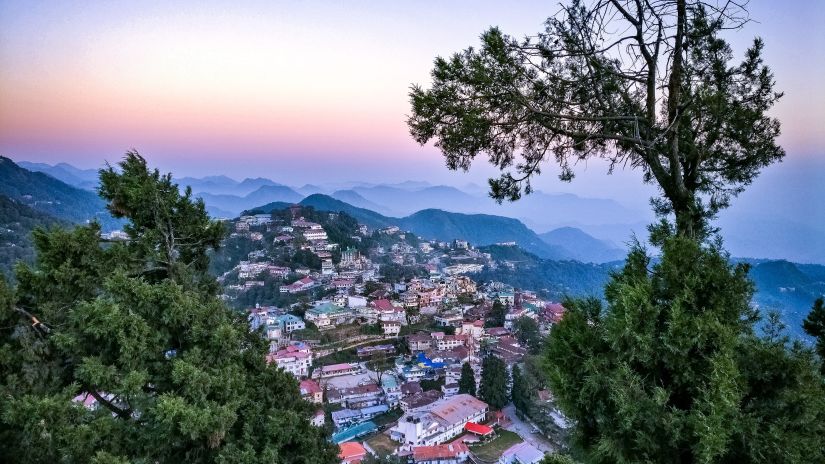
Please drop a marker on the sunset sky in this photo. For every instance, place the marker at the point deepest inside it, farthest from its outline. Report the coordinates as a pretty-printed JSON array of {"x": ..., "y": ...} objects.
[{"x": 297, "y": 91}]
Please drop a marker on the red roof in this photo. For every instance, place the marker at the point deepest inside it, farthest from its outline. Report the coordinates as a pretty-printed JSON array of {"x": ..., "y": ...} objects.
[
  {"x": 478, "y": 429},
  {"x": 351, "y": 451},
  {"x": 446, "y": 451}
]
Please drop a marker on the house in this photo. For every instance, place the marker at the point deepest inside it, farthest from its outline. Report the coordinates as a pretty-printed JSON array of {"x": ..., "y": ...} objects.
[
  {"x": 311, "y": 391},
  {"x": 298, "y": 286},
  {"x": 351, "y": 452},
  {"x": 315, "y": 232},
  {"x": 289, "y": 323},
  {"x": 295, "y": 359},
  {"x": 410, "y": 388},
  {"x": 334, "y": 370},
  {"x": 440, "y": 422},
  {"x": 419, "y": 342},
  {"x": 522, "y": 453},
  {"x": 346, "y": 417},
  {"x": 373, "y": 350},
  {"x": 359, "y": 396},
  {"x": 449, "y": 389},
  {"x": 328, "y": 314},
  {"x": 391, "y": 328},
  {"x": 389, "y": 312},
  {"x": 327, "y": 268},
  {"x": 419, "y": 400},
  {"x": 448, "y": 342},
  {"x": 392, "y": 391},
  {"x": 451, "y": 453},
  {"x": 318, "y": 419}
]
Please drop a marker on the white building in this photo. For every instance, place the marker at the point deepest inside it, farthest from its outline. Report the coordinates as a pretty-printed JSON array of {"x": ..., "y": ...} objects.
[
  {"x": 443, "y": 420},
  {"x": 295, "y": 359}
]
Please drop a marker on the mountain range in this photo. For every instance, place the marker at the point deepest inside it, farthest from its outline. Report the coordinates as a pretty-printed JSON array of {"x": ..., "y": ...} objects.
[
  {"x": 760, "y": 223},
  {"x": 478, "y": 229},
  {"x": 553, "y": 260},
  {"x": 47, "y": 194}
]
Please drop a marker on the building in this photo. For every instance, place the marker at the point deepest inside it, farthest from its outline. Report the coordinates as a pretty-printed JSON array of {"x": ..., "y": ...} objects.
[
  {"x": 333, "y": 370},
  {"x": 295, "y": 359},
  {"x": 351, "y": 452},
  {"x": 311, "y": 391},
  {"x": 419, "y": 342},
  {"x": 391, "y": 328},
  {"x": 318, "y": 419},
  {"x": 315, "y": 233},
  {"x": 443, "y": 420},
  {"x": 289, "y": 323},
  {"x": 419, "y": 401},
  {"x": 328, "y": 314},
  {"x": 360, "y": 396},
  {"x": 522, "y": 453},
  {"x": 298, "y": 286},
  {"x": 451, "y": 453}
]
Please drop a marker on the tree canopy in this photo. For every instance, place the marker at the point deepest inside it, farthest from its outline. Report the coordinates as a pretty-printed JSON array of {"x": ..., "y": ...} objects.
[
  {"x": 493, "y": 386},
  {"x": 122, "y": 352},
  {"x": 671, "y": 370},
  {"x": 467, "y": 381},
  {"x": 814, "y": 325},
  {"x": 650, "y": 85}
]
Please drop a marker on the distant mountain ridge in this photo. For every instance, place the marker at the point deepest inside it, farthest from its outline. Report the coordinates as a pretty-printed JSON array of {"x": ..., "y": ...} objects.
[
  {"x": 47, "y": 194},
  {"x": 478, "y": 229},
  {"x": 583, "y": 247}
]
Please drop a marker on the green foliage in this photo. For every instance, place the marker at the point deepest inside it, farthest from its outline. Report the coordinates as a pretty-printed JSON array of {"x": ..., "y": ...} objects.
[
  {"x": 17, "y": 221},
  {"x": 493, "y": 386},
  {"x": 814, "y": 325},
  {"x": 175, "y": 375},
  {"x": 526, "y": 330},
  {"x": 520, "y": 394},
  {"x": 557, "y": 459},
  {"x": 434, "y": 384},
  {"x": 667, "y": 100},
  {"x": 467, "y": 381},
  {"x": 495, "y": 318},
  {"x": 671, "y": 368}
]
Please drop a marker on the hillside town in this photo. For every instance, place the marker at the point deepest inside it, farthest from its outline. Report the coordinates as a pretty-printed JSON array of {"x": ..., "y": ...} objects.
[{"x": 404, "y": 354}]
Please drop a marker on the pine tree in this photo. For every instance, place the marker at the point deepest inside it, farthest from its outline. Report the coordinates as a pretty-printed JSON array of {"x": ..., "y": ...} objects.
[
  {"x": 520, "y": 395},
  {"x": 493, "y": 386},
  {"x": 526, "y": 330},
  {"x": 814, "y": 325},
  {"x": 671, "y": 369},
  {"x": 647, "y": 85},
  {"x": 495, "y": 318},
  {"x": 467, "y": 381},
  {"x": 136, "y": 328}
]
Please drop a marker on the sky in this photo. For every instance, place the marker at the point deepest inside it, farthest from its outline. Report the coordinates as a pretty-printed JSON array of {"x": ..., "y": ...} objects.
[{"x": 305, "y": 91}]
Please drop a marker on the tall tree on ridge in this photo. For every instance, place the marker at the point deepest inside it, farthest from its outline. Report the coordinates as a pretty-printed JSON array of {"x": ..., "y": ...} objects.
[{"x": 643, "y": 84}]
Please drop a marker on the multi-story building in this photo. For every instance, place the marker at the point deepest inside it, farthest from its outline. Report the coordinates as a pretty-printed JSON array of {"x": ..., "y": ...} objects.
[
  {"x": 295, "y": 359},
  {"x": 443, "y": 420},
  {"x": 328, "y": 314}
]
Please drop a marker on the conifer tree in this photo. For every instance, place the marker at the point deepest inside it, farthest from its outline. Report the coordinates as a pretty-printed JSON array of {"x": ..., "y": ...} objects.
[
  {"x": 671, "y": 369},
  {"x": 642, "y": 84},
  {"x": 135, "y": 330},
  {"x": 493, "y": 386},
  {"x": 467, "y": 381},
  {"x": 814, "y": 325}
]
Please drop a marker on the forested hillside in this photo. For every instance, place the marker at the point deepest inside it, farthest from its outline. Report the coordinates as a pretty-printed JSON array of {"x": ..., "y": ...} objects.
[{"x": 17, "y": 221}]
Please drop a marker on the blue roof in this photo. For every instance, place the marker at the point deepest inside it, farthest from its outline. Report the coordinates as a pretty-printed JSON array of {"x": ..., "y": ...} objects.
[
  {"x": 423, "y": 359},
  {"x": 353, "y": 432}
]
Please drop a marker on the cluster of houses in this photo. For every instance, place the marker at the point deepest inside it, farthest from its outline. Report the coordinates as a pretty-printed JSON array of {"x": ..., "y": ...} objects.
[{"x": 440, "y": 317}]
